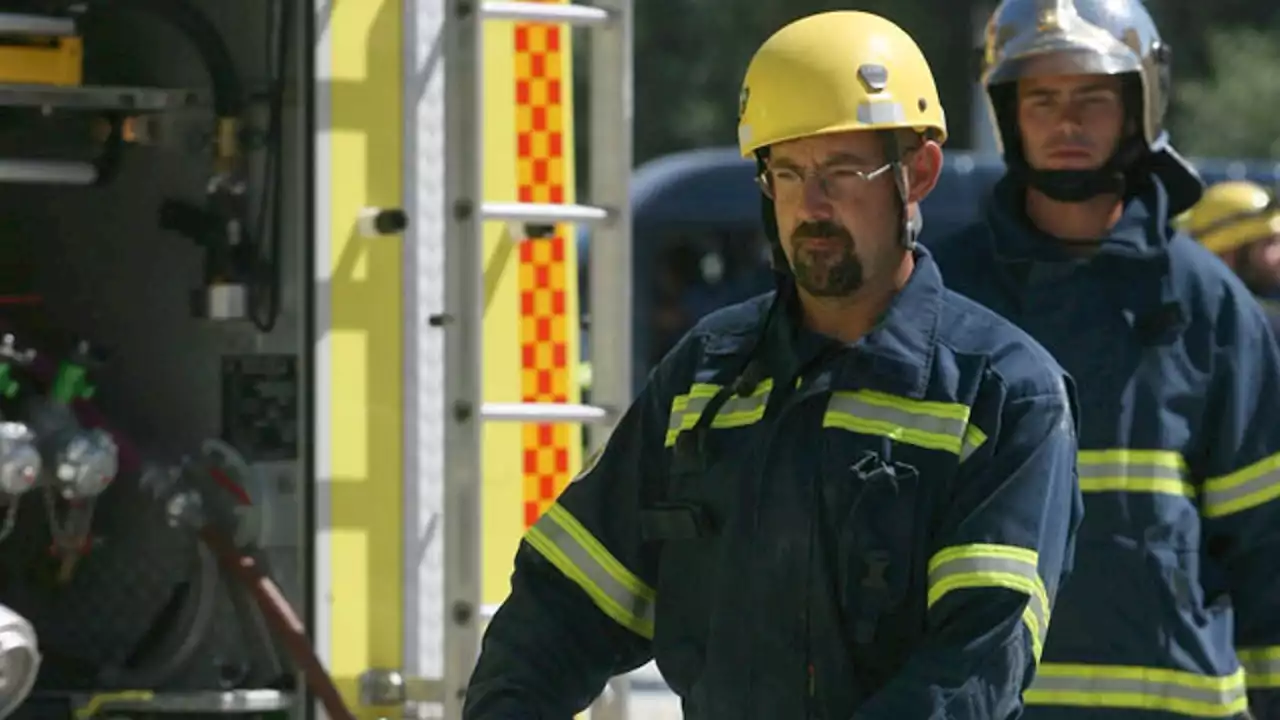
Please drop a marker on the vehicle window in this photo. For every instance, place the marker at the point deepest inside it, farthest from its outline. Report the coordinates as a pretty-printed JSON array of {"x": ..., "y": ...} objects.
[{"x": 697, "y": 272}]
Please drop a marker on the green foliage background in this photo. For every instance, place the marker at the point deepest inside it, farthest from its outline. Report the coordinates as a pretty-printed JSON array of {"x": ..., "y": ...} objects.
[{"x": 690, "y": 55}]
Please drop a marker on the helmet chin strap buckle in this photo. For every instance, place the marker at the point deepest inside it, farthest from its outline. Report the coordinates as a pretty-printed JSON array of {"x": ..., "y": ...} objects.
[{"x": 908, "y": 227}]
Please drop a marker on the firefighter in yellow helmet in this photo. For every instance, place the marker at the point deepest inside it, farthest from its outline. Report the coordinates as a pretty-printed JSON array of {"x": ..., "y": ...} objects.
[
  {"x": 1239, "y": 221},
  {"x": 854, "y": 497}
]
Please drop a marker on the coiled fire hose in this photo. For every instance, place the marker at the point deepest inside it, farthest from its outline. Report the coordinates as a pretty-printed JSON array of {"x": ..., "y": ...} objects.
[{"x": 192, "y": 498}]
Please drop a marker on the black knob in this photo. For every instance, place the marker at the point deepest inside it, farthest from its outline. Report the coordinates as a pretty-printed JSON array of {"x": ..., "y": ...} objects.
[{"x": 383, "y": 221}]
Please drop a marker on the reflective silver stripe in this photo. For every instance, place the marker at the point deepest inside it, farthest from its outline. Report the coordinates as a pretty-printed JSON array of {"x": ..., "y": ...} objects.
[
  {"x": 1162, "y": 472},
  {"x": 737, "y": 411},
  {"x": 690, "y": 405},
  {"x": 1261, "y": 667},
  {"x": 1243, "y": 489},
  {"x": 933, "y": 425},
  {"x": 686, "y": 409},
  {"x": 998, "y": 572},
  {"x": 618, "y": 593},
  {"x": 1138, "y": 688},
  {"x": 986, "y": 565},
  {"x": 738, "y": 406}
]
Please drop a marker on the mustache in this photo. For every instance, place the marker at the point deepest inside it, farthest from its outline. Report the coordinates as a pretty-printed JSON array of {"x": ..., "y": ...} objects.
[
  {"x": 1070, "y": 143},
  {"x": 820, "y": 229}
]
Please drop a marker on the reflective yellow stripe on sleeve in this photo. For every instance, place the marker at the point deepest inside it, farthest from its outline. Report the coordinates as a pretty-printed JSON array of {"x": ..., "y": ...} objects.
[
  {"x": 983, "y": 565},
  {"x": 615, "y": 590},
  {"x": 1165, "y": 472},
  {"x": 1261, "y": 667},
  {"x": 927, "y": 424},
  {"x": 737, "y": 411},
  {"x": 1243, "y": 489},
  {"x": 1138, "y": 688},
  {"x": 1162, "y": 472},
  {"x": 974, "y": 438}
]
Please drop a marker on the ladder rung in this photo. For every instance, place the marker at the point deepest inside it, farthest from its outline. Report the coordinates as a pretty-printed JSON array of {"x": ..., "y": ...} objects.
[
  {"x": 549, "y": 213},
  {"x": 20, "y": 24},
  {"x": 544, "y": 412},
  {"x": 583, "y": 15},
  {"x": 47, "y": 172}
]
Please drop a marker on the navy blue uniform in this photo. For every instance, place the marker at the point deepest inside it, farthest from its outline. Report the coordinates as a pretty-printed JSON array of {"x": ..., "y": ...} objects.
[
  {"x": 1178, "y": 562},
  {"x": 797, "y": 528},
  {"x": 1272, "y": 310}
]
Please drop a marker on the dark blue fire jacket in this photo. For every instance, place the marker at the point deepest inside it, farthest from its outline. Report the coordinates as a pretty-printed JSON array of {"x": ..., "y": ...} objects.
[
  {"x": 1178, "y": 564},
  {"x": 798, "y": 528}
]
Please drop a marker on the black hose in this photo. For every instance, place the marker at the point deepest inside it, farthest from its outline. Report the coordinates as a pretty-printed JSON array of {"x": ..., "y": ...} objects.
[
  {"x": 269, "y": 228},
  {"x": 228, "y": 90},
  {"x": 229, "y": 102}
]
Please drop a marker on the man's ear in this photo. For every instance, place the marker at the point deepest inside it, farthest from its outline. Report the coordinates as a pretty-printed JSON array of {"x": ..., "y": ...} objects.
[{"x": 924, "y": 166}]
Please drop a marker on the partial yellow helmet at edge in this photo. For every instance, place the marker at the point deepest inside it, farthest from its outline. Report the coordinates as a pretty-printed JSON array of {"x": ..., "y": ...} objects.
[
  {"x": 1230, "y": 215},
  {"x": 836, "y": 72}
]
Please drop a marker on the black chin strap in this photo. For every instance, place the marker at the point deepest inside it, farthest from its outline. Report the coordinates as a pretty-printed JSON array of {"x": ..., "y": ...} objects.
[
  {"x": 1073, "y": 186},
  {"x": 769, "y": 221},
  {"x": 893, "y": 153},
  {"x": 1076, "y": 186}
]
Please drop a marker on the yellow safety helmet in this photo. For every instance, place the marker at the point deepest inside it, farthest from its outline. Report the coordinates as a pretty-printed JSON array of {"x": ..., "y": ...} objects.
[
  {"x": 1231, "y": 215},
  {"x": 835, "y": 72}
]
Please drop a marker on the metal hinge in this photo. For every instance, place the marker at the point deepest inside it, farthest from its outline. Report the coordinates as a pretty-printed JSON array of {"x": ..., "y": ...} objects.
[{"x": 386, "y": 688}]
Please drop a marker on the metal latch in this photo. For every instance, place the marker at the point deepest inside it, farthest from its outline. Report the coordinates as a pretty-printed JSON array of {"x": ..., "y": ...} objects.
[{"x": 384, "y": 688}]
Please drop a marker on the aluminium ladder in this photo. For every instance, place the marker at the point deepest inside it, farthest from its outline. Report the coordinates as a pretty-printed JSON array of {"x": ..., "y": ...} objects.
[{"x": 610, "y": 128}]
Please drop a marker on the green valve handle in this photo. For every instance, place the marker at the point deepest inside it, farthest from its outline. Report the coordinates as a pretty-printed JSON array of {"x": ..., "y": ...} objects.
[
  {"x": 9, "y": 355},
  {"x": 8, "y": 385},
  {"x": 71, "y": 383}
]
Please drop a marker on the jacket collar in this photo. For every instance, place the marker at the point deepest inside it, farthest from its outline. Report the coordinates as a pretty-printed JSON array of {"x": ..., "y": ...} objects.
[
  {"x": 1135, "y": 254},
  {"x": 1143, "y": 232},
  {"x": 896, "y": 356}
]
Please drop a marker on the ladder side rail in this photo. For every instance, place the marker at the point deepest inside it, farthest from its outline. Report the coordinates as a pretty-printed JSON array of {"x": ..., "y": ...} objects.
[
  {"x": 462, "y": 325},
  {"x": 611, "y": 114},
  {"x": 423, "y": 248},
  {"x": 609, "y": 184}
]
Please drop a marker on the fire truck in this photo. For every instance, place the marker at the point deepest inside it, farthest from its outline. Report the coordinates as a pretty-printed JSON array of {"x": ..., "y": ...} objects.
[{"x": 289, "y": 340}]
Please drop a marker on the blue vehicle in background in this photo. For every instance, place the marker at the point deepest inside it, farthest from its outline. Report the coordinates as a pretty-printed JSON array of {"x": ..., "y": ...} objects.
[{"x": 698, "y": 244}]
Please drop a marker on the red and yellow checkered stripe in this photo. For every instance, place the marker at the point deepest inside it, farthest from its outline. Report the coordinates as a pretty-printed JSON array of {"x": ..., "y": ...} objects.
[{"x": 544, "y": 330}]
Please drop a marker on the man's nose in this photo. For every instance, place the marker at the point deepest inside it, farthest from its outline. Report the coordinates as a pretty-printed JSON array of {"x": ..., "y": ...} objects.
[
  {"x": 816, "y": 200},
  {"x": 1070, "y": 119}
]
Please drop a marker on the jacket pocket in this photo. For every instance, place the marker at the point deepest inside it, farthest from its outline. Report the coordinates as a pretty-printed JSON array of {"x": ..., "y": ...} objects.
[
  {"x": 689, "y": 523},
  {"x": 870, "y": 506}
]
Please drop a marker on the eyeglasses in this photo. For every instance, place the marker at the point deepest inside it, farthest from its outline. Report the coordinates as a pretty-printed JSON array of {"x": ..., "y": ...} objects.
[{"x": 839, "y": 183}]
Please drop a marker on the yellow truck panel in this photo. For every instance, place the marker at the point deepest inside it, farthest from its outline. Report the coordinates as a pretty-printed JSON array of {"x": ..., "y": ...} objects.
[{"x": 364, "y": 347}]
